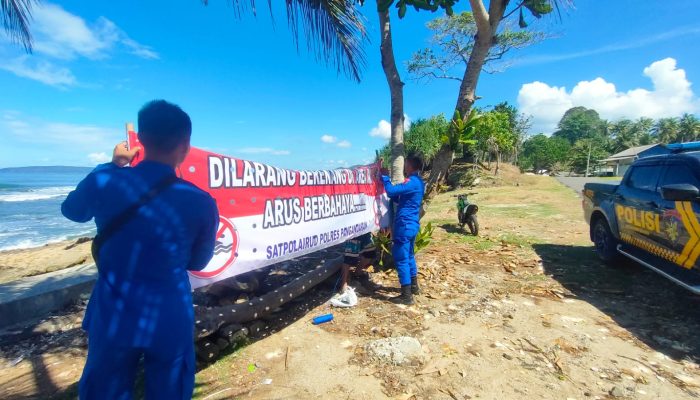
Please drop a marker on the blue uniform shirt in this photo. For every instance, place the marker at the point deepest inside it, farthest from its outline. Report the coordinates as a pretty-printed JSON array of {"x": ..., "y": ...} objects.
[
  {"x": 410, "y": 197},
  {"x": 142, "y": 297}
]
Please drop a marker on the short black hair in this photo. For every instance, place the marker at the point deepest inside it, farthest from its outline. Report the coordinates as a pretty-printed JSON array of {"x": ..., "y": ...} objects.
[
  {"x": 416, "y": 162},
  {"x": 163, "y": 126}
]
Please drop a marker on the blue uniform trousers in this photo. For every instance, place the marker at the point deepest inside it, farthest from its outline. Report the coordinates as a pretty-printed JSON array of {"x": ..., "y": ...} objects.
[
  {"x": 404, "y": 258},
  {"x": 110, "y": 372}
]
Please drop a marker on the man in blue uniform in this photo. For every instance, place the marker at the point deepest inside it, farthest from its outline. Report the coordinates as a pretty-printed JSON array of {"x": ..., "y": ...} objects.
[
  {"x": 409, "y": 196},
  {"x": 141, "y": 306}
]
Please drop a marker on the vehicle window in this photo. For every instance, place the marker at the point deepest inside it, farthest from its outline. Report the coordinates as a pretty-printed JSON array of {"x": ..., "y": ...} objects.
[
  {"x": 643, "y": 177},
  {"x": 676, "y": 174}
]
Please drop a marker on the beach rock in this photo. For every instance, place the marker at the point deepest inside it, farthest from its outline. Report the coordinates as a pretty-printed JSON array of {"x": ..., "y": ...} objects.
[
  {"x": 396, "y": 351},
  {"x": 617, "y": 391}
]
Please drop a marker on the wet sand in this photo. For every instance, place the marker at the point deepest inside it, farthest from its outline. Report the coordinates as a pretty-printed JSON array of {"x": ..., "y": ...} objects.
[{"x": 16, "y": 264}]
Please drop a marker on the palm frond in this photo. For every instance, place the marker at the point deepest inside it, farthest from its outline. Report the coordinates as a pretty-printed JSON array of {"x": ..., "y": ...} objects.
[
  {"x": 15, "y": 20},
  {"x": 334, "y": 31}
]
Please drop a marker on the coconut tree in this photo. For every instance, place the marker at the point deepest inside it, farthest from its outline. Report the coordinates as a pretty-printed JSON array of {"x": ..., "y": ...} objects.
[
  {"x": 666, "y": 130},
  {"x": 334, "y": 29},
  {"x": 689, "y": 128},
  {"x": 15, "y": 21}
]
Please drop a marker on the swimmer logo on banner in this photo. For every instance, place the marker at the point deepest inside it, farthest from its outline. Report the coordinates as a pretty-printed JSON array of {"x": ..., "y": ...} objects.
[{"x": 269, "y": 214}]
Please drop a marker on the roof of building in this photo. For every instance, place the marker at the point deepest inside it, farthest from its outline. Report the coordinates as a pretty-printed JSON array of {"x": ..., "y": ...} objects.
[{"x": 632, "y": 152}]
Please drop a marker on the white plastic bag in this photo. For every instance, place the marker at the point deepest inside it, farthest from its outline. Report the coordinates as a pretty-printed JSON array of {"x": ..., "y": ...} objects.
[{"x": 346, "y": 299}]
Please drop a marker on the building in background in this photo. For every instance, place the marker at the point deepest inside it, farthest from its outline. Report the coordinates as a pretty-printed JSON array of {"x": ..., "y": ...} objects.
[{"x": 617, "y": 164}]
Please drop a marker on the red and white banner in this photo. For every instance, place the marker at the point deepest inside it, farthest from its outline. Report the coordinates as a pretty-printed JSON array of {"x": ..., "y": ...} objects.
[{"x": 270, "y": 214}]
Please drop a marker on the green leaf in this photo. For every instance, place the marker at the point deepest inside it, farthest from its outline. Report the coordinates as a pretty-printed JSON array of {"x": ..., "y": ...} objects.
[
  {"x": 402, "y": 10},
  {"x": 538, "y": 8},
  {"x": 384, "y": 5}
]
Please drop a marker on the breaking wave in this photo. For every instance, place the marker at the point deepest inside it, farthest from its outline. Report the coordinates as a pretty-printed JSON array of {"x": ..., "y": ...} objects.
[{"x": 35, "y": 194}]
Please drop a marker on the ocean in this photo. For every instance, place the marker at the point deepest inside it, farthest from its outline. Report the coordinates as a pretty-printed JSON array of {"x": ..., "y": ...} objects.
[{"x": 30, "y": 206}]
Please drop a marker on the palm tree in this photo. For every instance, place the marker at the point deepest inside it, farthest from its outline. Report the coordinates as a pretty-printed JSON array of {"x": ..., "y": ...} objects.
[
  {"x": 666, "y": 130},
  {"x": 15, "y": 20},
  {"x": 689, "y": 128},
  {"x": 624, "y": 135},
  {"x": 333, "y": 28},
  {"x": 643, "y": 130}
]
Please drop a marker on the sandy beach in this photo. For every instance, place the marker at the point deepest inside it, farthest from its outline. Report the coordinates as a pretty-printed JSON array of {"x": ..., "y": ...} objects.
[{"x": 16, "y": 264}]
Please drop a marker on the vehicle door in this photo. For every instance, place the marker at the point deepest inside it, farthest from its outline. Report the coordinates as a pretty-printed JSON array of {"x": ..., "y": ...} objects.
[
  {"x": 637, "y": 206},
  {"x": 680, "y": 227}
]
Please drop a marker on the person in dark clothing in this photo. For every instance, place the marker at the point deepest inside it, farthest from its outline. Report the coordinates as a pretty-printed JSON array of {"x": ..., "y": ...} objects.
[
  {"x": 141, "y": 305},
  {"x": 409, "y": 197},
  {"x": 360, "y": 254}
]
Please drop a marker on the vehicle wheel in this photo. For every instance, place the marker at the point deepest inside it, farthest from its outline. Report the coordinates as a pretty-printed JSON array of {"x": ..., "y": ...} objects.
[
  {"x": 604, "y": 241},
  {"x": 473, "y": 225}
]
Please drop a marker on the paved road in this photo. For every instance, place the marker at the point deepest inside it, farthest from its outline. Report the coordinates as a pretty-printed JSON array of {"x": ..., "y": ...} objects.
[{"x": 576, "y": 183}]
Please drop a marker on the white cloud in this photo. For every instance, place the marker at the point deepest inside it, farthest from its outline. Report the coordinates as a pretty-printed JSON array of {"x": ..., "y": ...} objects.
[
  {"x": 34, "y": 130},
  {"x": 139, "y": 49},
  {"x": 62, "y": 36},
  {"x": 41, "y": 71},
  {"x": 671, "y": 96},
  {"x": 99, "y": 158},
  {"x": 344, "y": 144},
  {"x": 383, "y": 128},
  {"x": 329, "y": 139},
  {"x": 70, "y": 138},
  {"x": 264, "y": 150}
]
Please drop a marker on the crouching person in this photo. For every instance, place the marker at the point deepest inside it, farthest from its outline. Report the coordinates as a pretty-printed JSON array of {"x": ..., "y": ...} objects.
[
  {"x": 360, "y": 254},
  {"x": 152, "y": 227}
]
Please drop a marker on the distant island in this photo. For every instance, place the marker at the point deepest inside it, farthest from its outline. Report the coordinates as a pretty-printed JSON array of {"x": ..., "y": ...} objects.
[{"x": 57, "y": 169}]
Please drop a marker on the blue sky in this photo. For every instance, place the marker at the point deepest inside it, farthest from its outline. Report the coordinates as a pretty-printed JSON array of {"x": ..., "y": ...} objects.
[{"x": 251, "y": 94}]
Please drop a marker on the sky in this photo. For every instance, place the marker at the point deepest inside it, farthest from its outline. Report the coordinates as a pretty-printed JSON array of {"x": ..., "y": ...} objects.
[{"x": 252, "y": 94}]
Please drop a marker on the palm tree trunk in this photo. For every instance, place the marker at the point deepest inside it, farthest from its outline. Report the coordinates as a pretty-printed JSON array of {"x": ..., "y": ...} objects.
[{"x": 396, "y": 88}]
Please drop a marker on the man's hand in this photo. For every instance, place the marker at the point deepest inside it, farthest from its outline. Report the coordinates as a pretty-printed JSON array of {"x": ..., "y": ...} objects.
[{"x": 122, "y": 155}]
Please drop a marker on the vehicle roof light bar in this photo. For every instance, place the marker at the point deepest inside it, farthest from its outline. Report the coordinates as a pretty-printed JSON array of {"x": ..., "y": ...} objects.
[{"x": 681, "y": 147}]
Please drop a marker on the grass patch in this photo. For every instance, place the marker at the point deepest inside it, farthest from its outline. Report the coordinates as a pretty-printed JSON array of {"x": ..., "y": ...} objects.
[
  {"x": 477, "y": 242},
  {"x": 518, "y": 240},
  {"x": 535, "y": 210}
]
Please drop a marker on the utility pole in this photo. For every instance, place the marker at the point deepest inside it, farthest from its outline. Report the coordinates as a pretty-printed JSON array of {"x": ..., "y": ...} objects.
[{"x": 588, "y": 161}]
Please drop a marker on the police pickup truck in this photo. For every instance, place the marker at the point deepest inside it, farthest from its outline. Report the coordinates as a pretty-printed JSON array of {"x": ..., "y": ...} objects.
[{"x": 652, "y": 216}]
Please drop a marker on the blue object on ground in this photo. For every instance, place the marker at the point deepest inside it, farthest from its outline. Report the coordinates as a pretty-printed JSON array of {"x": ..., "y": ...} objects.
[{"x": 323, "y": 319}]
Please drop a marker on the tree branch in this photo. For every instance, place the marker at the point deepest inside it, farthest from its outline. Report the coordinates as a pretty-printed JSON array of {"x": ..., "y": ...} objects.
[
  {"x": 436, "y": 76},
  {"x": 514, "y": 10},
  {"x": 480, "y": 15},
  {"x": 496, "y": 10}
]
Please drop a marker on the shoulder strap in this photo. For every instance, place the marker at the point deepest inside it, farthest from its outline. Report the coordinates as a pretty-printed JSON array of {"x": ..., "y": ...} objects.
[{"x": 120, "y": 220}]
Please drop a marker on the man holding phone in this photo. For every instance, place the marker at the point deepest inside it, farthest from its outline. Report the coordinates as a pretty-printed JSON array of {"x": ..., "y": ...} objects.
[{"x": 152, "y": 228}]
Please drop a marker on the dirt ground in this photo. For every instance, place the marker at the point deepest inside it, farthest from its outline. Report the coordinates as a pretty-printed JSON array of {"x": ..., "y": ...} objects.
[{"x": 524, "y": 311}]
